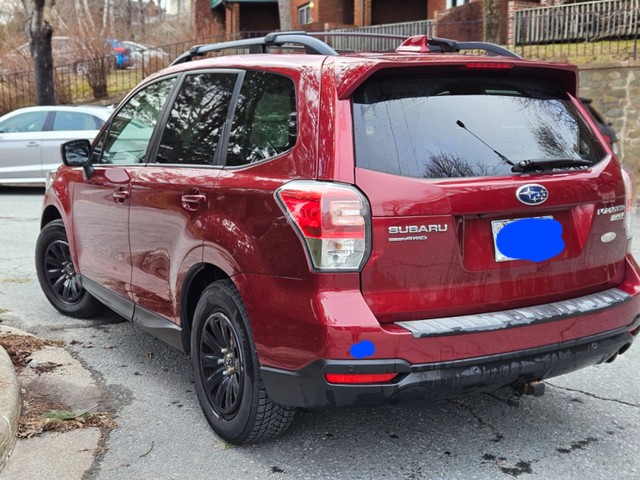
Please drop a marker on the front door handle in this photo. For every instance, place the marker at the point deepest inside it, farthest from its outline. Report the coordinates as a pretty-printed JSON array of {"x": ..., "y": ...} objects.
[
  {"x": 192, "y": 202},
  {"x": 120, "y": 195}
]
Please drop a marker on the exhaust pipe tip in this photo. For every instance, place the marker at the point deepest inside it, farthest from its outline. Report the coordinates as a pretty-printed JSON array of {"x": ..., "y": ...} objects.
[{"x": 624, "y": 348}]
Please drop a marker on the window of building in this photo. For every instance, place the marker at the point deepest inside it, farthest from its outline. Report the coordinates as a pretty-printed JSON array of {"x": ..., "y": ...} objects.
[
  {"x": 304, "y": 14},
  {"x": 456, "y": 3}
]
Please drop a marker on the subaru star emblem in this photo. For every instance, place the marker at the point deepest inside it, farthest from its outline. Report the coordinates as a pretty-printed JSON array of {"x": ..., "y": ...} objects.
[{"x": 532, "y": 194}]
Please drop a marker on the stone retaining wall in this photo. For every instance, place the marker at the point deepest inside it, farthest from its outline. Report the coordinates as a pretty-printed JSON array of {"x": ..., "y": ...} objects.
[{"x": 615, "y": 90}]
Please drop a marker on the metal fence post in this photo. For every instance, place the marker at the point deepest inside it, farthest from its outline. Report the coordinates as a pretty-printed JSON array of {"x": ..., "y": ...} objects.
[{"x": 635, "y": 37}]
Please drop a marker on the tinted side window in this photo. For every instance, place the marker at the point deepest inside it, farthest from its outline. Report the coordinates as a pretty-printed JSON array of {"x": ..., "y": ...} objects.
[
  {"x": 73, "y": 121},
  {"x": 131, "y": 129},
  {"x": 265, "y": 122},
  {"x": 196, "y": 120},
  {"x": 25, "y": 122}
]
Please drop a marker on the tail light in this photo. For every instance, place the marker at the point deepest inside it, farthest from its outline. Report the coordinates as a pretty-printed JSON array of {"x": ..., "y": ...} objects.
[
  {"x": 630, "y": 203},
  {"x": 333, "y": 221},
  {"x": 359, "y": 378}
]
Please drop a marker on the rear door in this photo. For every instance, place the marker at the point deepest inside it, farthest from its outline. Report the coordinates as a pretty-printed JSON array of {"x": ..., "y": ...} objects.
[
  {"x": 171, "y": 198},
  {"x": 435, "y": 155}
]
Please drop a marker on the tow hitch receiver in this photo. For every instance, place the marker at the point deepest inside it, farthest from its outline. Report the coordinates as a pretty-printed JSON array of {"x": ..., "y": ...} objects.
[{"x": 534, "y": 388}]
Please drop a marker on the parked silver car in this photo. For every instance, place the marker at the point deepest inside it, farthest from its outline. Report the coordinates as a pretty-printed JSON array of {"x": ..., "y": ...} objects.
[{"x": 30, "y": 138}]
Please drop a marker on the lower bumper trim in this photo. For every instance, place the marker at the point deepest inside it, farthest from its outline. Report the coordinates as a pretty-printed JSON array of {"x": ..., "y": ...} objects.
[{"x": 307, "y": 387}]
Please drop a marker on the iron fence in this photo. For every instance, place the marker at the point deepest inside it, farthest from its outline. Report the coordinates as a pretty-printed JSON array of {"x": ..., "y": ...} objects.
[
  {"x": 606, "y": 27},
  {"x": 91, "y": 80}
]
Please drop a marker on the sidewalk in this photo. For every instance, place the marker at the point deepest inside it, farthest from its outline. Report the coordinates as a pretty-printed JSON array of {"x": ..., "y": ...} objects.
[{"x": 50, "y": 379}]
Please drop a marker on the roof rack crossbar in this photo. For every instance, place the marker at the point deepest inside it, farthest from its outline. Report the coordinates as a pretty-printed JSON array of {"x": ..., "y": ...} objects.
[
  {"x": 447, "y": 46},
  {"x": 261, "y": 45},
  {"x": 313, "y": 45}
]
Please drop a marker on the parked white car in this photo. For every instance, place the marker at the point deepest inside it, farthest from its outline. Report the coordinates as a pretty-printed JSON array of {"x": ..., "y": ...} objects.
[{"x": 30, "y": 138}]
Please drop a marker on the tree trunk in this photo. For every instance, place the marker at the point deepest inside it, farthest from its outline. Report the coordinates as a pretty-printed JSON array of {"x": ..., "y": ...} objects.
[
  {"x": 491, "y": 21},
  {"x": 284, "y": 10},
  {"x": 39, "y": 33}
]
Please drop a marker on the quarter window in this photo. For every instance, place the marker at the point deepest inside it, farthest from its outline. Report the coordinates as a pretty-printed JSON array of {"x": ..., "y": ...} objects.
[
  {"x": 265, "y": 120},
  {"x": 133, "y": 125},
  {"x": 197, "y": 118},
  {"x": 75, "y": 121}
]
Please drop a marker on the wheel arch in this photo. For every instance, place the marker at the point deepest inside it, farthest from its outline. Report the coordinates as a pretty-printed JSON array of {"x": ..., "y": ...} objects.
[
  {"x": 197, "y": 279},
  {"x": 49, "y": 214}
]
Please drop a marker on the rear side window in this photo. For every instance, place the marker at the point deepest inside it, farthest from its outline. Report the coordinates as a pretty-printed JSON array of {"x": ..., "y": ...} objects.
[
  {"x": 265, "y": 121},
  {"x": 453, "y": 123},
  {"x": 196, "y": 120}
]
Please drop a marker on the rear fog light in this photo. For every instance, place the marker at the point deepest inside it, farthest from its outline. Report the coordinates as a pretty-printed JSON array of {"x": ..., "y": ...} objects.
[{"x": 359, "y": 378}]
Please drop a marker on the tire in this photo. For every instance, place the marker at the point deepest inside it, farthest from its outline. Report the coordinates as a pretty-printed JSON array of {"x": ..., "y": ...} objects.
[
  {"x": 227, "y": 372},
  {"x": 57, "y": 275}
]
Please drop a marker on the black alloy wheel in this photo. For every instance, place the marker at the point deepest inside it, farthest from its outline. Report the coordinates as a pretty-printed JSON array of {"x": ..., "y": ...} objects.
[
  {"x": 222, "y": 364},
  {"x": 57, "y": 275},
  {"x": 227, "y": 373},
  {"x": 60, "y": 273}
]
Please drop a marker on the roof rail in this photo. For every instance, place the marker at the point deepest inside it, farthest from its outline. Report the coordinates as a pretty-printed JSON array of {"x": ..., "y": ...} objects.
[
  {"x": 451, "y": 46},
  {"x": 313, "y": 45},
  {"x": 261, "y": 45}
]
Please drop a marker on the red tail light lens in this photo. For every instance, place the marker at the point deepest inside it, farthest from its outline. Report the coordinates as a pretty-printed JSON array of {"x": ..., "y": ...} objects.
[
  {"x": 488, "y": 65},
  {"x": 333, "y": 221},
  {"x": 359, "y": 378}
]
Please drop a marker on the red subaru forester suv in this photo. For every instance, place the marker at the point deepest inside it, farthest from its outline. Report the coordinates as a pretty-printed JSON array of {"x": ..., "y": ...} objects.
[{"x": 316, "y": 228}]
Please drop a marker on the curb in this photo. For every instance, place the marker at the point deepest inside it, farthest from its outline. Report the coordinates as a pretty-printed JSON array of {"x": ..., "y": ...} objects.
[{"x": 10, "y": 405}]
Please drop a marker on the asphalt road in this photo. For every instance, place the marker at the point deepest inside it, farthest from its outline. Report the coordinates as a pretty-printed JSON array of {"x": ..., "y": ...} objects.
[{"x": 587, "y": 425}]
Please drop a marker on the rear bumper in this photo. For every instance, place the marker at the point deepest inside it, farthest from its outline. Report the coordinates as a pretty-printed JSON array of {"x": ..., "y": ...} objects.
[{"x": 307, "y": 387}]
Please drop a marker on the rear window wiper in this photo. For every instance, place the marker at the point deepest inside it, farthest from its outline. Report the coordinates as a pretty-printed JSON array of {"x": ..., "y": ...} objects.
[{"x": 549, "y": 163}]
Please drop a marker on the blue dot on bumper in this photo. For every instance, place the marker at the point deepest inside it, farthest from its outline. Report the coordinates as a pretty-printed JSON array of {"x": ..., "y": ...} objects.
[{"x": 363, "y": 349}]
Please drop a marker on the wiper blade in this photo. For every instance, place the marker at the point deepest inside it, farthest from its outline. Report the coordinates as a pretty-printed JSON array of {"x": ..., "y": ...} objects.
[{"x": 549, "y": 163}]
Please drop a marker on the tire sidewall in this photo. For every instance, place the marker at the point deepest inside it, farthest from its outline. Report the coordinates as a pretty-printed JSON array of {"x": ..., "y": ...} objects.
[
  {"x": 218, "y": 298},
  {"x": 86, "y": 306}
]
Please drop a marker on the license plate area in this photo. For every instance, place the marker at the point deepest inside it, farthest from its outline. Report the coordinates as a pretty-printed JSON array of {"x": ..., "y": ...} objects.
[{"x": 496, "y": 226}]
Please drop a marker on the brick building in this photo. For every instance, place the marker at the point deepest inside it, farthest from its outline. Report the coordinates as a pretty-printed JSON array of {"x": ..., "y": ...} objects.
[{"x": 462, "y": 19}]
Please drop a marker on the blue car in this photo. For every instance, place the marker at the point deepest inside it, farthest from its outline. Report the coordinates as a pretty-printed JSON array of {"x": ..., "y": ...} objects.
[{"x": 122, "y": 54}]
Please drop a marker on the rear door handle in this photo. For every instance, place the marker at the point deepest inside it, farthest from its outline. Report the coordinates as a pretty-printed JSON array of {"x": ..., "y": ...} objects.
[
  {"x": 33, "y": 144},
  {"x": 192, "y": 202}
]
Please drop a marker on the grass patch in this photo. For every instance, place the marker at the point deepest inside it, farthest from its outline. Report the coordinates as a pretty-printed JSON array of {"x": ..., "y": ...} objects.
[
  {"x": 604, "y": 51},
  {"x": 40, "y": 415}
]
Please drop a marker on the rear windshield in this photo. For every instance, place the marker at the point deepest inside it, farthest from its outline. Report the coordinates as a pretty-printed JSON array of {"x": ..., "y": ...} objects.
[{"x": 468, "y": 124}]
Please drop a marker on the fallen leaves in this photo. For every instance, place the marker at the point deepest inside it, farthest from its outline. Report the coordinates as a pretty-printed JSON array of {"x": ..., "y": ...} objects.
[
  {"x": 42, "y": 415},
  {"x": 20, "y": 347}
]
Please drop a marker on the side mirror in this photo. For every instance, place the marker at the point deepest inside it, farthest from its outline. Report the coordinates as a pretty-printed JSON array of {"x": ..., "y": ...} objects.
[{"x": 77, "y": 153}]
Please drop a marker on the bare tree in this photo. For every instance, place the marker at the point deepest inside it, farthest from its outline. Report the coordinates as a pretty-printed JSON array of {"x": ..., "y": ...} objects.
[
  {"x": 284, "y": 10},
  {"x": 39, "y": 32}
]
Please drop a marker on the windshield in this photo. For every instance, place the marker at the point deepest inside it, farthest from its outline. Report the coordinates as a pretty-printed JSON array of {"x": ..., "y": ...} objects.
[{"x": 465, "y": 124}]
